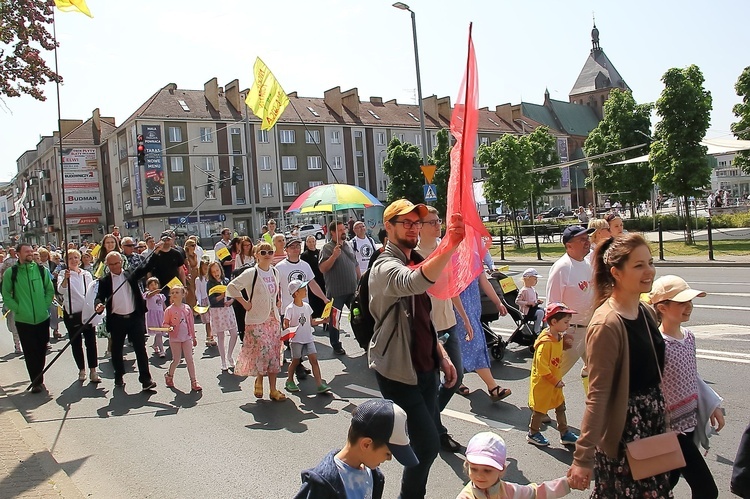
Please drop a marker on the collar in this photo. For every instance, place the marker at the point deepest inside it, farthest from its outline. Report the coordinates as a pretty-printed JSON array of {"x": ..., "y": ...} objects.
[{"x": 486, "y": 493}]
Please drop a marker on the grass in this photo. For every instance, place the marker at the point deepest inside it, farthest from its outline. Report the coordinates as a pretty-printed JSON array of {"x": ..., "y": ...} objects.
[{"x": 671, "y": 248}]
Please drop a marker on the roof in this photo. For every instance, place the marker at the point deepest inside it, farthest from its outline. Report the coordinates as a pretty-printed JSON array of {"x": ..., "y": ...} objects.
[
  {"x": 83, "y": 134},
  {"x": 165, "y": 105},
  {"x": 575, "y": 119},
  {"x": 540, "y": 114},
  {"x": 598, "y": 73}
]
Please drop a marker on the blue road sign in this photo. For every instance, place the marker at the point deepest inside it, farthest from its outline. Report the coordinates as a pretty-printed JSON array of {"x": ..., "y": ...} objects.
[{"x": 430, "y": 193}]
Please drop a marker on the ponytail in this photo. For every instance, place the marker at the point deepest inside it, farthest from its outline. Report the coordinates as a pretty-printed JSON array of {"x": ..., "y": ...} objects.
[{"x": 612, "y": 253}]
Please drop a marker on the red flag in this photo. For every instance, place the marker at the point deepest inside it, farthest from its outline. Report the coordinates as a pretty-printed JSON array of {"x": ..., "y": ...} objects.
[{"x": 466, "y": 263}]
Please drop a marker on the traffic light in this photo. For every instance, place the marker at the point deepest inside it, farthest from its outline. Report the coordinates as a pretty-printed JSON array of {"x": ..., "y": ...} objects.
[
  {"x": 141, "y": 150},
  {"x": 210, "y": 191},
  {"x": 236, "y": 176},
  {"x": 223, "y": 177}
]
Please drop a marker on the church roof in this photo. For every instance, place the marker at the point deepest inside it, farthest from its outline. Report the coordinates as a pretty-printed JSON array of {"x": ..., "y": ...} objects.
[
  {"x": 598, "y": 71},
  {"x": 566, "y": 117}
]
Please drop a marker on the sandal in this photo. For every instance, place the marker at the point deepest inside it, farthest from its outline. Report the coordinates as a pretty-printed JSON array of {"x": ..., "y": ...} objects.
[
  {"x": 277, "y": 395},
  {"x": 259, "y": 387},
  {"x": 463, "y": 390},
  {"x": 497, "y": 394},
  {"x": 195, "y": 386},
  {"x": 169, "y": 380}
]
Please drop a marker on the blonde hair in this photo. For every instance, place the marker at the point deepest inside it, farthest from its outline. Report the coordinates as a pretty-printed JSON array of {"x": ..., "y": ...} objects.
[
  {"x": 263, "y": 246},
  {"x": 72, "y": 252},
  {"x": 598, "y": 224}
]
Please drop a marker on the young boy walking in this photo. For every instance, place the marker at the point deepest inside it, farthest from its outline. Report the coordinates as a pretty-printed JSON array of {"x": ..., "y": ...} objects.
[
  {"x": 298, "y": 316},
  {"x": 377, "y": 432},
  {"x": 546, "y": 379}
]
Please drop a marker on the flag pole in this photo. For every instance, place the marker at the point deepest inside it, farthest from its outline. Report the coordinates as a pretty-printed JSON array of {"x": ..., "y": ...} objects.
[
  {"x": 463, "y": 132},
  {"x": 63, "y": 222}
]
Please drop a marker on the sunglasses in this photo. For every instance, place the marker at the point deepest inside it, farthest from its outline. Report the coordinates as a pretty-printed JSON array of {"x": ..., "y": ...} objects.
[{"x": 265, "y": 252}]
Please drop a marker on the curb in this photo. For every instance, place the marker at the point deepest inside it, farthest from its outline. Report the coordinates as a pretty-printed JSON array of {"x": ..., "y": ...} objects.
[{"x": 55, "y": 478}]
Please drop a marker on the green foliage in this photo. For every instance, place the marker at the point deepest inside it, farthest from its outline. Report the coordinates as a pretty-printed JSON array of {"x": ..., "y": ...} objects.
[
  {"x": 674, "y": 223},
  {"x": 543, "y": 153},
  {"x": 23, "y": 28},
  {"x": 677, "y": 154},
  {"x": 441, "y": 159},
  {"x": 402, "y": 165},
  {"x": 741, "y": 128},
  {"x": 623, "y": 119}
]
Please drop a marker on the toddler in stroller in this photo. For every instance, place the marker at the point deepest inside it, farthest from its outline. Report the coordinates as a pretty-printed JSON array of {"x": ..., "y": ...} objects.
[{"x": 523, "y": 334}]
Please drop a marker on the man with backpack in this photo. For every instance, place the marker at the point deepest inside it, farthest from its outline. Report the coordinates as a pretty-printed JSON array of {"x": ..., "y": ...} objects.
[
  {"x": 362, "y": 245},
  {"x": 28, "y": 293},
  {"x": 404, "y": 351}
]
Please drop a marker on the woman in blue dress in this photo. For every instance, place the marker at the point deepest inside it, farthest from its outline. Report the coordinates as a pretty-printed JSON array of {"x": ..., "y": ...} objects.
[{"x": 474, "y": 352}]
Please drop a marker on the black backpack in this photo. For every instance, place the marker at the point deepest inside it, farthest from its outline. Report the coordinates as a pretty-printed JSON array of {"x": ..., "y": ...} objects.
[{"x": 361, "y": 320}]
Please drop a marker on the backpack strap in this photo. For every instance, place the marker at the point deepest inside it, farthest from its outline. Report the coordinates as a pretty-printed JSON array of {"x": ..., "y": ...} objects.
[{"x": 252, "y": 287}]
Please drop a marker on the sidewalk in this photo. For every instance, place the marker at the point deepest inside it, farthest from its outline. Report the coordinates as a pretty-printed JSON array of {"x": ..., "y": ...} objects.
[{"x": 27, "y": 468}]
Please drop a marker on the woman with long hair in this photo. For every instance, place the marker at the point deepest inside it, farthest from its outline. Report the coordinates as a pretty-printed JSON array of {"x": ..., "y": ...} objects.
[
  {"x": 244, "y": 257},
  {"x": 616, "y": 228},
  {"x": 109, "y": 243},
  {"x": 625, "y": 353}
]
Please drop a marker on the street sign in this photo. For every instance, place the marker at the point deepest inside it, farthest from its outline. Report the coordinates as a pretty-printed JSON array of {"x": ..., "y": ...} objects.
[
  {"x": 430, "y": 193},
  {"x": 222, "y": 218},
  {"x": 183, "y": 220},
  {"x": 429, "y": 172}
]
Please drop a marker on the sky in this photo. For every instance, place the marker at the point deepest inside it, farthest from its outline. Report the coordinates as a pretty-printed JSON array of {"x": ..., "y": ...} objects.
[{"x": 129, "y": 50}]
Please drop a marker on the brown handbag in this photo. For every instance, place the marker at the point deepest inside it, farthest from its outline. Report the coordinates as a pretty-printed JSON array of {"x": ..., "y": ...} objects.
[{"x": 658, "y": 453}]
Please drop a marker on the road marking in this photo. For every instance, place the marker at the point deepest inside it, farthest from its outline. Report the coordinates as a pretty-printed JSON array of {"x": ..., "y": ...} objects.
[
  {"x": 721, "y": 283},
  {"x": 739, "y": 295},
  {"x": 722, "y": 307},
  {"x": 723, "y": 359},
  {"x": 470, "y": 418},
  {"x": 721, "y": 352}
]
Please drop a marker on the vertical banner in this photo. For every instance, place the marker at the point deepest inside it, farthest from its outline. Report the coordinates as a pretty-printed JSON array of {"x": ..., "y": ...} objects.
[
  {"x": 83, "y": 204},
  {"x": 154, "y": 170},
  {"x": 562, "y": 152}
]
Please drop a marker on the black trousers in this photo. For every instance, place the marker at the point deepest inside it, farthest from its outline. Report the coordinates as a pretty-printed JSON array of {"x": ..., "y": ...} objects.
[
  {"x": 696, "y": 471},
  {"x": 72, "y": 323},
  {"x": 34, "y": 340},
  {"x": 132, "y": 326}
]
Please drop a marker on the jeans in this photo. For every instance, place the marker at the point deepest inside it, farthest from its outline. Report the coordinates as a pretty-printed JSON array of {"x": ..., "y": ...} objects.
[
  {"x": 333, "y": 333},
  {"x": 132, "y": 326},
  {"x": 72, "y": 324},
  {"x": 696, "y": 472},
  {"x": 34, "y": 339},
  {"x": 419, "y": 402},
  {"x": 453, "y": 349}
]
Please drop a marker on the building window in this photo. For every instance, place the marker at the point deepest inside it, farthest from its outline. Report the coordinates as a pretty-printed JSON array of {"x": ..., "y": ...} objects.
[
  {"x": 314, "y": 163},
  {"x": 178, "y": 193},
  {"x": 360, "y": 154},
  {"x": 336, "y": 163},
  {"x": 210, "y": 191},
  {"x": 207, "y": 134},
  {"x": 176, "y": 163},
  {"x": 266, "y": 189},
  {"x": 290, "y": 189},
  {"x": 381, "y": 138},
  {"x": 265, "y": 163},
  {"x": 335, "y": 137},
  {"x": 175, "y": 134},
  {"x": 358, "y": 135},
  {"x": 383, "y": 186},
  {"x": 263, "y": 136},
  {"x": 286, "y": 136},
  {"x": 401, "y": 137},
  {"x": 289, "y": 162},
  {"x": 315, "y": 183},
  {"x": 434, "y": 140},
  {"x": 207, "y": 164},
  {"x": 484, "y": 141},
  {"x": 418, "y": 139},
  {"x": 234, "y": 131},
  {"x": 312, "y": 137}
]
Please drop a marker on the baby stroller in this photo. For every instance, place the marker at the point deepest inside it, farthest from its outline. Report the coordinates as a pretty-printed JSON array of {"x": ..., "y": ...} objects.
[{"x": 523, "y": 335}]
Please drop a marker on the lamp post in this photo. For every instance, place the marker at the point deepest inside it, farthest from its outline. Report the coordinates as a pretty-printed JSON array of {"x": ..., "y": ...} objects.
[{"x": 403, "y": 6}]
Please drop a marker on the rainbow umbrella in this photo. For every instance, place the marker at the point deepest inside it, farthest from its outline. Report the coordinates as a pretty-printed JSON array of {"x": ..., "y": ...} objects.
[{"x": 332, "y": 197}]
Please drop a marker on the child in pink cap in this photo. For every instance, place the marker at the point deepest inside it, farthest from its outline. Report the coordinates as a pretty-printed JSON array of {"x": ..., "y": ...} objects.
[{"x": 485, "y": 465}]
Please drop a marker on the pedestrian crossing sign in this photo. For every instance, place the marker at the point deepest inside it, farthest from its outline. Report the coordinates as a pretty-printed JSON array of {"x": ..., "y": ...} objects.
[{"x": 430, "y": 193}]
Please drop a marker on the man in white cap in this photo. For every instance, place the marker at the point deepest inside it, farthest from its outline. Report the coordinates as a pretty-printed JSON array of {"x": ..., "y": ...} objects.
[{"x": 570, "y": 281}]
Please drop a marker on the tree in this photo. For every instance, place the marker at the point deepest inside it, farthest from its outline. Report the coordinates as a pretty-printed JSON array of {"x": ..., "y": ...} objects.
[
  {"x": 402, "y": 165},
  {"x": 625, "y": 124},
  {"x": 741, "y": 128},
  {"x": 676, "y": 154},
  {"x": 543, "y": 153},
  {"x": 441, "y": 158},
  {"x": 23, "y": 27}
]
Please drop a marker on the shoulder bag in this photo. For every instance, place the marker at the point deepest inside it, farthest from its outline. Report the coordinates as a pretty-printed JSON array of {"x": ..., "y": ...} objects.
[{"x": 658, "y": 453}]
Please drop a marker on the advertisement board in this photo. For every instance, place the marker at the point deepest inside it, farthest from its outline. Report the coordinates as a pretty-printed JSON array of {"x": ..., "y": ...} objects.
[
  {"x": 154, "y": 169},
  {"x": 82, "y": 196}
]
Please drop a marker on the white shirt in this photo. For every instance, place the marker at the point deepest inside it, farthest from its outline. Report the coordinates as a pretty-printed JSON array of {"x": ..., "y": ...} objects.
[
  {"x": 222, "y": 244},
  {"x": 76, "y": 290},
  {"x": 364, "y": 249},
  {"x": 242, "y": 261},
  {"x": 289, "y": 271},
  {"x": 123, "y": 302},
  {"x": 571, "y": 282},
  {"x": 199, "y": 252},
  {"x": 300, "y": 317}
]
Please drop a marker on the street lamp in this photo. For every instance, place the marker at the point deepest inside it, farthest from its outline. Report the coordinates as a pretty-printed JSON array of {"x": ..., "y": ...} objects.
[{"x": 403, "y": 6}]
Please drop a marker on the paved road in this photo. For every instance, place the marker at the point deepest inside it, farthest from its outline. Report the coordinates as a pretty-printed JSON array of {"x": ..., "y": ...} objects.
[{"x": 222, "y": 443}]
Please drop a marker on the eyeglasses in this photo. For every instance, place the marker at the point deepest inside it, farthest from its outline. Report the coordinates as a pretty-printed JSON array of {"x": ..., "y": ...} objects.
[
  {"x": 408, "y": 224},
  {"x": 265, "y": 252},
  {"x": 129, "y": 245},
  {"x": 434, "y": 223}
]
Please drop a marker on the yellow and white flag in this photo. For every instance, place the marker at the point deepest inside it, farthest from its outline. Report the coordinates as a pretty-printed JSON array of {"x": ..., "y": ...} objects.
[
  {"x": 73, "y": 6},
  {"x": 266, "y": 97},
  {"x": 174, "y": 282}
]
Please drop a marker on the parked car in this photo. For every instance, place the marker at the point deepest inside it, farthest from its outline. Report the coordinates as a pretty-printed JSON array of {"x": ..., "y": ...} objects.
[
  {"x": 555, "y": 213},
  {"x": 309, "y": 230}
]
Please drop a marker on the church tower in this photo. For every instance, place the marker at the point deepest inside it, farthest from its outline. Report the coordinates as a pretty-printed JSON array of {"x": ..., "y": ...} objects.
[{"x": 597, "y": 78}]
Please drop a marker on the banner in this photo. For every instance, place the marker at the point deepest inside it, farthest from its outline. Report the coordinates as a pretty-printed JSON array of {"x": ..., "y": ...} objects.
[
  {"x": 82, "y": 196},
  {"x": 266, "y": 98},
  {"x": 154, "y": 170}
]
